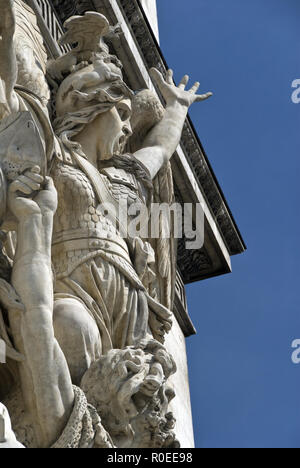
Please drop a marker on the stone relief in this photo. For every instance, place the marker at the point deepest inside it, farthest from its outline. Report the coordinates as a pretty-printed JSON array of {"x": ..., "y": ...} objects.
[
  {"x": 85, "y": 306},
  {"x": 7, "y": 437}
]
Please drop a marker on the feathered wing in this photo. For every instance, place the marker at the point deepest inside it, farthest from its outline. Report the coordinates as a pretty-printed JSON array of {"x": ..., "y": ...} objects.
[
  {"x": 86, "y": 32},
  {"x": 31, "y": 60},
  {"x": 165, "y": 246},
  {"x": 31, "y": 53},
  {"x": 148, "y": 111}
]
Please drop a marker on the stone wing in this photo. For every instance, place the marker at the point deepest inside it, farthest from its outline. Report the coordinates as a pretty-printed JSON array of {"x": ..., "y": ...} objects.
[
  {"x": 30, "y": 52},
  {"x": 86, "y": 32},
  {"x": 165, "y": 248},
  {"x": 147, "y": 112}
]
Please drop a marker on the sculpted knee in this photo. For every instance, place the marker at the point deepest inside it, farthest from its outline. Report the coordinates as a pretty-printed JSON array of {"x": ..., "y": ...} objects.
[
  {"x": 77, "y": 335},
  {"x": 69, "y": 312}
]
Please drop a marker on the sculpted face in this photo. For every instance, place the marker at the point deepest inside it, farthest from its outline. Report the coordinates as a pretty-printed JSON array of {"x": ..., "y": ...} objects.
[
  {"x": 107, "y": 134},
  {"x": 128, "y": 389},
  {"x": 113, "y": 130},
  {"x": 97, "y": 97}
]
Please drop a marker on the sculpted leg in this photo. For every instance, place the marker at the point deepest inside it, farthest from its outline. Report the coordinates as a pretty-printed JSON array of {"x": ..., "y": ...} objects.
[{"x": 77, "y": 335}]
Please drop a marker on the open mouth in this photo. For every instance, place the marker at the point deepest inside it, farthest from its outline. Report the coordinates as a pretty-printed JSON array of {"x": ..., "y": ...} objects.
[
  {"x": 122, "y": 143},
  {"x": 119, "y": 145}
]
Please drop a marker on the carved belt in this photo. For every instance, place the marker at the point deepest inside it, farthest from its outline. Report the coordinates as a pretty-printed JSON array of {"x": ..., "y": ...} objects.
[
  {"x": 90, "y": 234},
  {"x": 90, "y": 244}
]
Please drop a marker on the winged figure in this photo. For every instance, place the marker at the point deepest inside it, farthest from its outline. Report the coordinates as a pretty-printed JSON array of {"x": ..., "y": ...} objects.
[{"x": 86, "y": 301}]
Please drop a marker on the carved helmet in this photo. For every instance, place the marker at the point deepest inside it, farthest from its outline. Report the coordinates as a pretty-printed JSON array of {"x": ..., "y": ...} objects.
[{"x": 86, "y": 73}]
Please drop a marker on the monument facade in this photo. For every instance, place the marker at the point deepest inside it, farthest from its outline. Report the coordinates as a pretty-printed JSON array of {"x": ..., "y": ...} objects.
[{"x": 95, "y": 141}]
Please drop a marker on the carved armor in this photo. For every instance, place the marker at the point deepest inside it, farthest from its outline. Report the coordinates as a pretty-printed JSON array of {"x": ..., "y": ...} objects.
[
  {"x": 90, "y": 249},
  {"x": 82, "y": 230},
  {"x": 103, "y": 308}
]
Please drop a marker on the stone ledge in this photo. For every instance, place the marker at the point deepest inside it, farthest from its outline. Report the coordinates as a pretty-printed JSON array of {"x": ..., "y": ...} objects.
[{"x": 150, "y": 50}]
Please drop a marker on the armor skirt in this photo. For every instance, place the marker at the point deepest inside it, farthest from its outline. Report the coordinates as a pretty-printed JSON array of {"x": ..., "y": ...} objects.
[{"x": 119, "y": 309}]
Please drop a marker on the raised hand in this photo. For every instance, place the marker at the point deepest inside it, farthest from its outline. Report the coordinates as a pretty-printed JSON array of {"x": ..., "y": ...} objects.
[
  {"x": 32, "y": 194},
  {"x": 171, "y": 93}
]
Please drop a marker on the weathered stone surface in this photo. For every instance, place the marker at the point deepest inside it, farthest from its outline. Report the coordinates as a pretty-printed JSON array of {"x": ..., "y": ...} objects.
[
  {"x": 7, "y": 437},
  {"x": 181, "y": 405},
  {"x": 151, "y": 12},
  {"x": 93, "y": 370}
]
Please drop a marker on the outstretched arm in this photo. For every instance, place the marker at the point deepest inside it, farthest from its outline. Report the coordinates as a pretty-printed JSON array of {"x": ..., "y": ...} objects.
[
  {"x": 8, "y": 62},
  {"x": 33, "y": 202},
  {"x": 162, "y": 141}
]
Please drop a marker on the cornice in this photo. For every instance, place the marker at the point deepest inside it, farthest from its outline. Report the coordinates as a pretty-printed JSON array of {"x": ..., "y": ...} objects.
[{"x": 190, "y": 142}]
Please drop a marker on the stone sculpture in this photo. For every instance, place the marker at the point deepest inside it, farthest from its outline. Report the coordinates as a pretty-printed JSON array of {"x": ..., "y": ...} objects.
[
  {"x": 7, "y": 437},
  {"x": 85, "y": 304}
]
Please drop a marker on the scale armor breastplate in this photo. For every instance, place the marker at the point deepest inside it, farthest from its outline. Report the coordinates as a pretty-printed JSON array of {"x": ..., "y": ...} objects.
[{"x": 81, "y": 230}]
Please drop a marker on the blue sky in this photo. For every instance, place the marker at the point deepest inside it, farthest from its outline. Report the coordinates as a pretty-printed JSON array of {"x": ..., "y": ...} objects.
[{"x": 245, "y": 388}]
